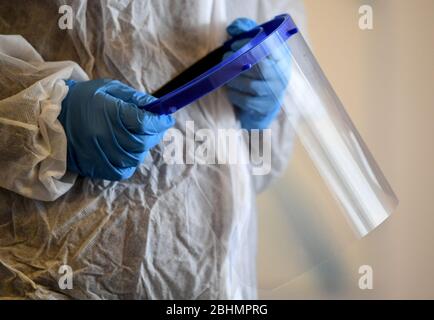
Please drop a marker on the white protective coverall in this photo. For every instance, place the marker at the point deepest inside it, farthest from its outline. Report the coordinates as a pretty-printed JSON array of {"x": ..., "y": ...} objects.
[{"x": 171, "y": 231}]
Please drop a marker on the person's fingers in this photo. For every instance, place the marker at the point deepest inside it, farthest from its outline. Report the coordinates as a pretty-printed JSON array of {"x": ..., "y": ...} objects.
[
  {"x": 124, "y": 92},
  {"x": 139, "y": 121},
  {"x": 254, "y": 87},
  {"x": 240, "y": 25},
  {"x": 115, "y": 148},
  {"x": 265, "y": 70},
  {"x": 129, "y": 128},
  {"x": 120, "y": 146},
  {"x": 143, "y": 100},
  {"x": 254, "y": 120},
  {"x": 261, "y": 105},
  {"x": 132, "y": 143},
  {"x": 151, "y": 141},
  {"x": 108, "y": 169},
  {"x": 268, "y": 70}
]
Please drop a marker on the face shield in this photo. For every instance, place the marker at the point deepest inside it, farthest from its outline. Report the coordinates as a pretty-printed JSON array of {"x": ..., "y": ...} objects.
[
  {"x": 328, "y": 134},
  {"x": 319, "y": 119}
]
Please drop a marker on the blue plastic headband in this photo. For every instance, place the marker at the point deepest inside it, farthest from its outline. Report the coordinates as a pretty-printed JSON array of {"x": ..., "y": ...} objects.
[{"x": 211, "y": 72}]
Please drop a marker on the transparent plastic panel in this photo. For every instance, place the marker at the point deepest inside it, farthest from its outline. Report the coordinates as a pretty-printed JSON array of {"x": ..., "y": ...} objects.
[
  {"x": 329, "y": 136},
  {"x": 299, "y": 215}
]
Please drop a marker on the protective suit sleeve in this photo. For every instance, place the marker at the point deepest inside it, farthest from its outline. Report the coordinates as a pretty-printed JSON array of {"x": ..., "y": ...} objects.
[{"x": 32, "y": 140}]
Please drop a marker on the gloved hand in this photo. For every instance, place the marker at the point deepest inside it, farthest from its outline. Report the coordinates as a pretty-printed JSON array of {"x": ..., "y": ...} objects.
[
  {"x": 258, "y": 92},
  {"x": 108, "y": 135}
]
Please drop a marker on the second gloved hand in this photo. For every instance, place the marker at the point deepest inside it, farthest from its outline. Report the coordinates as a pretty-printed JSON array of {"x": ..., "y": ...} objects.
[
  {"x": 108, "y": 135},
  {"x": 257, "y": 93}
]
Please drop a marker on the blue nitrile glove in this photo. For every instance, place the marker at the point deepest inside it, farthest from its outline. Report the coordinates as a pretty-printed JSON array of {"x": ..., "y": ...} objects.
[
  {"x": 108, "y": 135},
  {"x": 257, "y": 93}
]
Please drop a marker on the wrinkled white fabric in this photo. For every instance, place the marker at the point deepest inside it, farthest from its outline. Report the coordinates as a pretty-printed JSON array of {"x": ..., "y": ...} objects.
[
  {"x": 32, "y": 141},
  {"x": 171, "y": 231}
]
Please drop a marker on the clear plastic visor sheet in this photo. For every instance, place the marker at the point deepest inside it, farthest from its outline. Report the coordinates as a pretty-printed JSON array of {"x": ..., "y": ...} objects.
[{"x": 333, "y": 191}]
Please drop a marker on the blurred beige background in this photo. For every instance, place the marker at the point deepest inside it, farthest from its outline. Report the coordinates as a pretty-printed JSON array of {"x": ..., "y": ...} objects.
[{"x": 385, "y": 78}]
